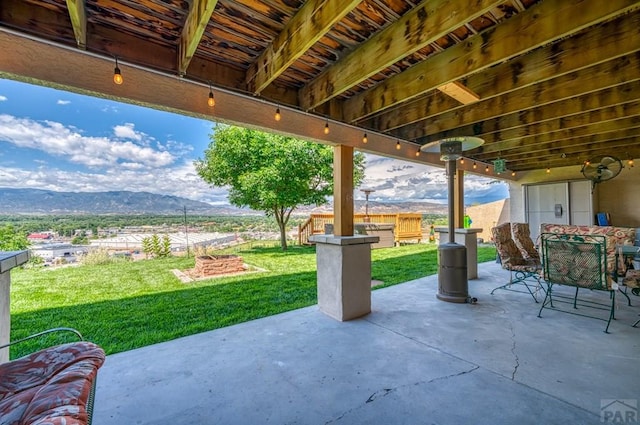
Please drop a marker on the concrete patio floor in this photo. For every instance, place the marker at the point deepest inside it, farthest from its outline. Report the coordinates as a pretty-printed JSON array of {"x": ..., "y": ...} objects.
[{"x": 413, "y": 360}]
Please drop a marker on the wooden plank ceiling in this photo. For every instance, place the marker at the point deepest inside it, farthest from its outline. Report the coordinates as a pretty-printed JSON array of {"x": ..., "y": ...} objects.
[{"x": 545, "y": 83}]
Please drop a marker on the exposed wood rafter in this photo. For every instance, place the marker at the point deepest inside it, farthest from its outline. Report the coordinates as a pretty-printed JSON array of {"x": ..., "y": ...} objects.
[
  {"x": 303, "y": 30},
  {"x": 78, "y": 17},
  {"x": 197, "y": 20}
]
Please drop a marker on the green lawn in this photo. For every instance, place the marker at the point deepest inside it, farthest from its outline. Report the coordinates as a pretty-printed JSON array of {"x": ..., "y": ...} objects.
[{"x": 126, "y": 305}]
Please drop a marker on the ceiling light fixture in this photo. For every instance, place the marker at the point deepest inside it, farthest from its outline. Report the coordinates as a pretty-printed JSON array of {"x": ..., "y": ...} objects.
[
  {"x": 364, "y": 138},
  {"x": 326, "y": 127},
  {"x": 211, "y": 101},
  {"x": 277, "y": 115},
  {"x": 117, "y": 75}
]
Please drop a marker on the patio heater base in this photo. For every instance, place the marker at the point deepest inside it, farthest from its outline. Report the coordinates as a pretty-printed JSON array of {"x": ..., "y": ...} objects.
[{"x": 453, "y": 285}]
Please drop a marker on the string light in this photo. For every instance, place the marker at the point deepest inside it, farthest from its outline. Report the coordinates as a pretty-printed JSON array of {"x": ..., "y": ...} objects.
[
  {"x": 418, "y": 152},
  {"x": 630, "y": 163},
  {"x": 474, "y": 165},
  {"x": 211, "y": 101},
  {"x": 548, "y": 170},
  {"x": 117, "y": 75},
  {"x": 364, "y": 138},
  {"x": 513, "y": 174},
  {"x": 461, "y": 161},
  {"x": 398, "y": 145},
  {"x": 277, "y": 115},
  {"x": 326, "y": 127},
  {"x": 486, "y": 169}
]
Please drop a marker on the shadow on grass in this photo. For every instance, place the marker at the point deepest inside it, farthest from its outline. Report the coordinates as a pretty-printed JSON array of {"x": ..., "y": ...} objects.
[{"x": 128, "y": 323}]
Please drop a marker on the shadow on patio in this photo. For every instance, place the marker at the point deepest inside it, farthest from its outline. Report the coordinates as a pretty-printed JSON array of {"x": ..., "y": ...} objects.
[{"x": 413, "y": 360}]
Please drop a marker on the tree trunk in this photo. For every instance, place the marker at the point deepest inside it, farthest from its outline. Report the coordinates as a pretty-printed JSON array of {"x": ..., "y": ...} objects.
[{"x": 283, "y": 235}]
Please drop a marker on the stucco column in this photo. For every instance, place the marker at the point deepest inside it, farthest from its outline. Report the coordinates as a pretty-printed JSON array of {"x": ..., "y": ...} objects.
[
  {"x": 343, "y": 260},
  {"x": 8, "y": 260}
]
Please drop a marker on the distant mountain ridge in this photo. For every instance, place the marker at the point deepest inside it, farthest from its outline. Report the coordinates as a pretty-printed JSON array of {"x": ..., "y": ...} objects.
[
  {"x": 48, "y": 202},
  {"x": 36, "y": 201}
]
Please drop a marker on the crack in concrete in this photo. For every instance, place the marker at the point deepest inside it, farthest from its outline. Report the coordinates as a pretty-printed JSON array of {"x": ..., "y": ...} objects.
[
  {"x": 513, "y": 351},
  {"x": 386, "y": 391}
]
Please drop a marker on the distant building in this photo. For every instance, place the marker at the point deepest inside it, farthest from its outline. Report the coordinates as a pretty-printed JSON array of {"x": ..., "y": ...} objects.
[
  {"x": 59, "y": 251},
  {"x": 40, "y": 237}
]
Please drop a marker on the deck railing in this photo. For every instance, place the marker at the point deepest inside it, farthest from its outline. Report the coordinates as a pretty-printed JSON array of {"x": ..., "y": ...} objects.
[{"x": 407, "y": 226}]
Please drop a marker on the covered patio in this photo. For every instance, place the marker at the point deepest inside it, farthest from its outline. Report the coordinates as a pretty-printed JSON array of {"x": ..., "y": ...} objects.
[
  {"x": 413, "y": 360},
  {"x": 547, "y": 85}
]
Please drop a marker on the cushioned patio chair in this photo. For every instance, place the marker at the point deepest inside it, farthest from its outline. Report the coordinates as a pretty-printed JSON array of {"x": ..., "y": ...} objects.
[
  {"x": 522, "y": 238},
  {"x": 524, "y": 274},
  {"x": 578, "y": 261},
  {"x": 53, "y": 386}
]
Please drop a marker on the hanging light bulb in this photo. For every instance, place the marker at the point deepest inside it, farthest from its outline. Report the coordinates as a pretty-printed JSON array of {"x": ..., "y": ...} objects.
[
  {"x": 117, "y": 75},
  {"x": 461, "y": 161},
  {"x": 548, "y": 170},
  {"x": 486, "y": 169},
  {"x": 326, "y": 127},
  {"x": 277, "y": 116},
  {"x": 211, "y": 101},
  {"x": 398, "y": 145},
  {"x": 364, "y": 138},
  {"x": 630, "y": 162},
  {"x": 513, "y": 174},
  {"x": 418, "y": 152},
  {"x": 474, "y": 165}
]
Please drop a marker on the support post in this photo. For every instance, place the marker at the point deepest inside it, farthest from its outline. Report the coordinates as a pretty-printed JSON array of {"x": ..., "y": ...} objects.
[
  {"x": 344, "y": 260},
  {"x": 343, "y": 190},
  {"x": 458, "y": 196},
  {"x": 8, "y": 260}
]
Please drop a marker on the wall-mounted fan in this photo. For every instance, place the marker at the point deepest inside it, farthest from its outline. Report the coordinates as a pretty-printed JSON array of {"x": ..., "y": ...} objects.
[{"x": 601, "y": 169}]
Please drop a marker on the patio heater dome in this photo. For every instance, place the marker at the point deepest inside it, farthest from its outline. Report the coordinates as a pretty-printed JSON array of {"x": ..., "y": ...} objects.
[{"x": 453, "y": 285}]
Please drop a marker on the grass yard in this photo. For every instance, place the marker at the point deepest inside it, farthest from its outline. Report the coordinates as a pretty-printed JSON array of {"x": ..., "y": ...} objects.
[{"x": 127, "y": 305}]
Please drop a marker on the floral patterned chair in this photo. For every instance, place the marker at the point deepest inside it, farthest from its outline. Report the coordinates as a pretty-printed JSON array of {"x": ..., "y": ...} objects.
[
  {"x": 579, "y": 261},
  {"x": 54, "y": 386},
  {"x": 522, "y": 238},
  {"x": 523, "y": 273}
]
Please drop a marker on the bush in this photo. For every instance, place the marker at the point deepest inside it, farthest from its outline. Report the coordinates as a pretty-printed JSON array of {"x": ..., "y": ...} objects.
[{"x": 96, "y": 257}]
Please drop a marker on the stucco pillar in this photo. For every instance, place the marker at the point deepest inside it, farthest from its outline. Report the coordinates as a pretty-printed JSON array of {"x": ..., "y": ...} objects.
[
  {"x": 343, "y": 260},
  {"x": 8, "y": 260}
]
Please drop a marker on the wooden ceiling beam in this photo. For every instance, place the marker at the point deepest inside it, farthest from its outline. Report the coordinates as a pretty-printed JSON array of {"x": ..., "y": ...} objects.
[
  {"x": 541, "y": 140},
  {"x": 599, "y": 77},
  {"x": 535, "y": 150},
  {"x": 314, "y": 19},
  {"x": 593, "y": 107},
  {"x": 602, "y": 43},
  {"x": 194, "y": 26},
  {"x": 421, "y": 26},
  {"x": 78, "y": 15},
  {"x": 631, "y": 150},
  {"x": 539, "y": 25}
]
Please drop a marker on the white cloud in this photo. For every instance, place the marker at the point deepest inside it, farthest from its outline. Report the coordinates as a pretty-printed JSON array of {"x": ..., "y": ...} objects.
[
  {"x": 127, "y": 131},
  {"x": 60, "y": 141},
  {"x": 3, "y": 98},
  {"x": 63, "y": 102}
]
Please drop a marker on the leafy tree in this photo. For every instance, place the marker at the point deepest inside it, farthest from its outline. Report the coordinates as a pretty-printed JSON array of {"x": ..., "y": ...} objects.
[
  {"x": 10, "y": 240},
  {"x": 271, "y": 173},
  {"x": 165, "y": 247},
  {"x": 147, "y": 246}
]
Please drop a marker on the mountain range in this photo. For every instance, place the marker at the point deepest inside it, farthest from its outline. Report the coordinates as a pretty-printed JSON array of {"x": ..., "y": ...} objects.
[{"x": 41, "y": 202}]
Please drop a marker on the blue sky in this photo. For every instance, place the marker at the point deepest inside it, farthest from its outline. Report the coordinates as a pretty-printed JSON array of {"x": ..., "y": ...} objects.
[{"x": 57, "y": 140}]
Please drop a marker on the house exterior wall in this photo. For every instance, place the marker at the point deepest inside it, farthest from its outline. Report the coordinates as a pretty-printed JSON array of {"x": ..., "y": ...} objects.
[{"x": 619, "y": 196}]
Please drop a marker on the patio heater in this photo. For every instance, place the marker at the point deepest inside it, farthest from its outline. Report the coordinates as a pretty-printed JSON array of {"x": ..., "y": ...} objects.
[
  {"x": 366, "y": 203},
  {"x": 453, "y": 285}
]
